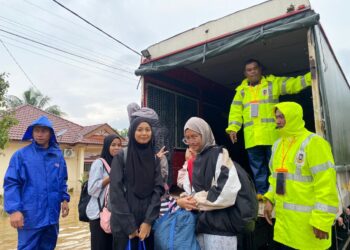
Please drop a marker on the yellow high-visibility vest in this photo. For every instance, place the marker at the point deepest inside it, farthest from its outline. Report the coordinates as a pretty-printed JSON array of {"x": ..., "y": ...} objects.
[
  {"x": 261, "y": 130},
  {"x": 310, "y": 198}
]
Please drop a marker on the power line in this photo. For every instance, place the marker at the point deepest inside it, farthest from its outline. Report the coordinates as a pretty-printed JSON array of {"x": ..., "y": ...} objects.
[
  {"x": 58, "y": 40},
  {"x": 110, "y": 36},
  {"x": 63, "y": 62},
  {"x": 53, "y": 25},
  {"x": 57, "y": 54},
  {"x": 64, "y": 51},
  {"x": 19, "y": 66},
  {"x": 54, "y": 14}
]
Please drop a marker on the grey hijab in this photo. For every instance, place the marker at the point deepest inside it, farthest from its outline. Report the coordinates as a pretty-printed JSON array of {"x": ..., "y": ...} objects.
[
  {"x": 134, "y": 110},
  {"x": 145, "y": 112},
  {"x": 131, "y": 108},
  {"x": 202, "y": 127}
]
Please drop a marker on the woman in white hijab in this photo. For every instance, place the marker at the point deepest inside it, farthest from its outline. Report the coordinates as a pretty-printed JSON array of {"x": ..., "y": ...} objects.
[{"x": 214, "y": 183}]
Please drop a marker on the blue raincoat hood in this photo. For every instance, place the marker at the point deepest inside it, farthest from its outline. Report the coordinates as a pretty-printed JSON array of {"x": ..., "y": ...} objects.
[{"x": 44, "y": 122}]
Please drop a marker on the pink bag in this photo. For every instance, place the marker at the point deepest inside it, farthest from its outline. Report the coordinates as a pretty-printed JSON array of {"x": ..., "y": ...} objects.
[{"x": 105, "y": 214}]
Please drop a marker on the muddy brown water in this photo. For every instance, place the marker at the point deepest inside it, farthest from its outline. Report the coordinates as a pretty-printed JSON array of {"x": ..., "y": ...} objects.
[{"x": 73, "y": 234}]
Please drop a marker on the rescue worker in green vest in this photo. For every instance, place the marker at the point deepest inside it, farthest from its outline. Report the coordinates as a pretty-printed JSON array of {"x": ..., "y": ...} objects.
[
  {"x": 302, "y": 184},
  {"x": 252, "y": 108}
]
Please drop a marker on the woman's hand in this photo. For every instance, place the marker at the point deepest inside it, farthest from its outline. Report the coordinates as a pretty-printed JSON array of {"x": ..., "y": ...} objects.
[
  {"x": 133, "y": 235},
  {"x": 162, "y": 152},
  {"x": 105, "y": 181},
  {"x": 188, "y": 203},
  {"x": 190, "y": 153},
  {"x": 144, "y": 231}
]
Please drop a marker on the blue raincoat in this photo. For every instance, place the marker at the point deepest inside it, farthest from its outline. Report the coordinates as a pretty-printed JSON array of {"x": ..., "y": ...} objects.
[{"x": 35, "y": 181}]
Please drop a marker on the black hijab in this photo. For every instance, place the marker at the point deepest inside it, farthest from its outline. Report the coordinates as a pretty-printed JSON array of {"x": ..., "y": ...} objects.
[
  {"x": 105, "y": 154},
  {"x": 140, "y": 162}
]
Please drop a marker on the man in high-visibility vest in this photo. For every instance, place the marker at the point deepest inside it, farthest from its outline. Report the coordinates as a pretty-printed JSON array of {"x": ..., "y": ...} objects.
[
  {"x": 302, "y": 183},
  {"x": 252, "y": 108}
]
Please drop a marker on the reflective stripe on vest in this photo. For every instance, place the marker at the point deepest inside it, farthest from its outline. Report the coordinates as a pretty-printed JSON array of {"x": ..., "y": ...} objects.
[
  {"x": 266, "y": 120},
  {"x": 247, "y": 124},
  {"x": 274, "y": 147},
  {"x": 303, "y": 82},
  {"x": 235, "y": 123},
  {"x": 242, "y": 93},
  {"x": 297, "y": 207},
  {"x": 269, "y": 101},
  {"x": 295, "y": 177},
  {"x": 302, "y": 151},
  {"x": 326, "y": 208},
  {"x": 269, "y": 90},
  {"x": 284, "y": 87},
  {"x": 273, "y": 101},
  {"x": 314, "y": 170},
  {"x": 306, "y": 209},
  {"x": 236, "y": 103}
]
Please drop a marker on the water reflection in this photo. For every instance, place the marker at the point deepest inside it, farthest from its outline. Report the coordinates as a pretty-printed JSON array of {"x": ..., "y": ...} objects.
[{"x": 73, "y": 233}]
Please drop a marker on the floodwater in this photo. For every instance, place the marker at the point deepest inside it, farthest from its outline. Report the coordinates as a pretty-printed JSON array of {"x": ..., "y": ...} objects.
[{"x": 73, "y": 233}]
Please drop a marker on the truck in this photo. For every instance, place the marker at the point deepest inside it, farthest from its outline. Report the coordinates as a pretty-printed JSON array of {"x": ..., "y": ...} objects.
[{"x": 196, "y": 72}]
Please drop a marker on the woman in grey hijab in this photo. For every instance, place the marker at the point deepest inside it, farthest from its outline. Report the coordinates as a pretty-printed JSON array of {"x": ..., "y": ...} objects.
[{"x": 214, "y": 183}]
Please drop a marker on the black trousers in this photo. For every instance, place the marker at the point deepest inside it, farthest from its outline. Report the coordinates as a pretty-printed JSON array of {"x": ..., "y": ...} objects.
[
  {"x": 99, "y": 239},
  {"x": 121, "y": 242}
]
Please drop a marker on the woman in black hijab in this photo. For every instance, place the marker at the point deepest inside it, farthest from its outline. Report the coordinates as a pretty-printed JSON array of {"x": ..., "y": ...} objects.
[
  {"x": 135, "y": 189},
  {"x": 97, "y": 186}
]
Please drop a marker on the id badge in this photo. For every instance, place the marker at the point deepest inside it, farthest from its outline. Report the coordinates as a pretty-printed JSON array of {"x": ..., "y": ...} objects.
[
  {"x": 254, "y": 109},
  {"x": 281, "y": 181}
]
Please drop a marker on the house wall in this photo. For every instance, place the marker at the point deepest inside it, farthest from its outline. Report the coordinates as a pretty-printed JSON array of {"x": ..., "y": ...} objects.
[
  {"x": 73, "y": 168},
  {"x": 5, "y": 156},
  {"x": 75, "y": 163}
]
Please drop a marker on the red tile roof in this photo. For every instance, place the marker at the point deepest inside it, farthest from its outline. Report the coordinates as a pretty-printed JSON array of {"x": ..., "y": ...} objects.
[{"x": 71, "y": 133}]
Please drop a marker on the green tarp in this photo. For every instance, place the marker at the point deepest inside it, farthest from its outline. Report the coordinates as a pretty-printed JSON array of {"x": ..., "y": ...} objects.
[{"x": 234, "y": 41}]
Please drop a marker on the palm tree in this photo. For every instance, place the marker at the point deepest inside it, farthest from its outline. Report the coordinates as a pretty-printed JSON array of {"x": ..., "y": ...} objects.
[{"x": 36, "y": 99}]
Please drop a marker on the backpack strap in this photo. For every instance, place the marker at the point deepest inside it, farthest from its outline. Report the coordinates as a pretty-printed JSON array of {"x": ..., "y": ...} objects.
[
  {"x": 106, "y": 165},
  {"x": 106, "y": 195},
  {"x": 108, "y": 170}
]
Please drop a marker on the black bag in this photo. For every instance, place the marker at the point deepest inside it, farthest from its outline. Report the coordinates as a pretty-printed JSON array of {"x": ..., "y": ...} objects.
[
  {"x": 83, "y": 202},
  {"x": 239, "y": 218},
  {"x": 245, "y": 211}
]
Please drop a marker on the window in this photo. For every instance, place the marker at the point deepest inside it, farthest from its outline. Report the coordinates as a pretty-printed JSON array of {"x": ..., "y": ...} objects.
[{"x": 173, "y": 110}]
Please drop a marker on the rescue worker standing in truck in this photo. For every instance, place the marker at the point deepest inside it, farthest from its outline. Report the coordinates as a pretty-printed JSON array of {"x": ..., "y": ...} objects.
[
  {"x": 252, "y": 108},
  {"x": 302, "y": 183}
]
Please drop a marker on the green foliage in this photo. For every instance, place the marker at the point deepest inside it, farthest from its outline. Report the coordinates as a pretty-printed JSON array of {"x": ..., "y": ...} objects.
[
  {"x": 123, "y": 132},
  {"x": 7, "y": 119},
  {"x": 84, "y": 177},
  {"x": 36, "y": 99}
]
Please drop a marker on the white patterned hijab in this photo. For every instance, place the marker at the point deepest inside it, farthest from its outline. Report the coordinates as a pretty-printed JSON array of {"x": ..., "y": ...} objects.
[{"x": 202, "y": 127}]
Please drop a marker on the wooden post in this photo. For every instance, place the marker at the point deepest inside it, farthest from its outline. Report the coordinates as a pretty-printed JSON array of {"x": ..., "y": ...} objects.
[{"x": 316, "y": 99}]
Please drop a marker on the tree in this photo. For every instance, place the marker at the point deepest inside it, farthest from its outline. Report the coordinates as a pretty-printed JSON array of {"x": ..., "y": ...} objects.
[
  {"x": 36, "y": 99},
  {"x": 7, "y": 119},
  {"x": 123, "y": 132}
]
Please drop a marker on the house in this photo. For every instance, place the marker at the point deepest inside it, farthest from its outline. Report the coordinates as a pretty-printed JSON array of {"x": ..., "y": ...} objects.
[{"x": 80, "y": 144}]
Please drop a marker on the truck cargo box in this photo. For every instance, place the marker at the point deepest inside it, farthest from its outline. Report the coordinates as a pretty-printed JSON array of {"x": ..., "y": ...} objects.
[{"x": 195, "y": 73}]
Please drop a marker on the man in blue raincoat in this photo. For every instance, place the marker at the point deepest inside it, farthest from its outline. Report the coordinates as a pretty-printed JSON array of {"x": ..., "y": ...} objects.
[{"x": 35, "y": 188}]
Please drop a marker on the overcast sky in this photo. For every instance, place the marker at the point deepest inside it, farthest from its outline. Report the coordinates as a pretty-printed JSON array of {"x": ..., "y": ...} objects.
[{"x": 91, "y": 93}]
